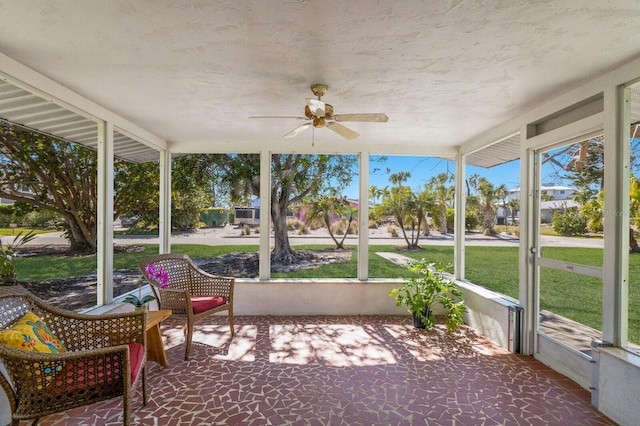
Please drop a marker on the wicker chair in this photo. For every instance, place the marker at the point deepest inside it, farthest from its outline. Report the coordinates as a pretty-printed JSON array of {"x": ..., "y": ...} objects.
[
  {"x": 192, "y": 293},
  {"x": 105, "y": 355}
]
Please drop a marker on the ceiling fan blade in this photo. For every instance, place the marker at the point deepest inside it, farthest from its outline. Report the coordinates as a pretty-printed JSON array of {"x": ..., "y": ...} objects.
[
  {"x": 297, "y": 130},
  {"x": 373, "y": 117},
  {"x": 279, "y": 116},
  {"x": 342, "y": 131}
]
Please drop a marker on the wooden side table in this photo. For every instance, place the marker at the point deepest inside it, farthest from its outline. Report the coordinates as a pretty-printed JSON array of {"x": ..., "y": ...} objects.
[{"x": 155, "y": 347}]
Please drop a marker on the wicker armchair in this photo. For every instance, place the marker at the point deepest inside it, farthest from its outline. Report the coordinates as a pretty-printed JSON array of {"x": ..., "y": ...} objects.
[
  {"x": 105, "y": 355},
  {"x": 192, "y": 293}
]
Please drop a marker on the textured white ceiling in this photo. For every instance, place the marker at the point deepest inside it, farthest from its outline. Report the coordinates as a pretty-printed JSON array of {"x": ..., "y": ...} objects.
[{"x": 192, "y": 72}]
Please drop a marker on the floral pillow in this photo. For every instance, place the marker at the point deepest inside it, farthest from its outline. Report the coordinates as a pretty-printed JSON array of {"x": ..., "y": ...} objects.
[{"x": 31, "y": 334}]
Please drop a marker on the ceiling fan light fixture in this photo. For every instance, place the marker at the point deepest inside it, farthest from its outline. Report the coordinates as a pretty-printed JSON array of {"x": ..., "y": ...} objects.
[
  {"x": 328, "y": 111},
  {"x": 319, "y": 122},
  {"x": 317, "y": 107}
]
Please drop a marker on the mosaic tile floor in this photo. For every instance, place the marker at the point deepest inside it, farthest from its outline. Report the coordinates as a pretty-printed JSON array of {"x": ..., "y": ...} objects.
[{"x": 360, "y": 370}]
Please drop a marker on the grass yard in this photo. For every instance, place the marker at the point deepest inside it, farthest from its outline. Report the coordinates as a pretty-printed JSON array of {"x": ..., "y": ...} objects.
[{"x": 573, "y": 296}]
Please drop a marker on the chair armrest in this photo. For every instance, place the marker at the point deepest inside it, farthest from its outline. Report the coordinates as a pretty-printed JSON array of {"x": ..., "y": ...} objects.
[
  {"x": 176, "y": 300},
  {"x": 81, "y": 332},
  {"x": 205, "y": 284}
]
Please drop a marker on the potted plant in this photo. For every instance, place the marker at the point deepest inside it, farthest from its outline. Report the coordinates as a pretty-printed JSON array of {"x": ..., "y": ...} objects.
[
  {"x": 156, "y": 274},
  {"x": 428, "y": 288}
]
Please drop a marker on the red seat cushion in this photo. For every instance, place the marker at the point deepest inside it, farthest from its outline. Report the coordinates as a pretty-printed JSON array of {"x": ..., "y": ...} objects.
[
  {"x": 136, "y": 353},
  {"x": 204, "y": 303},
  {"x": 78, "y": 374}
]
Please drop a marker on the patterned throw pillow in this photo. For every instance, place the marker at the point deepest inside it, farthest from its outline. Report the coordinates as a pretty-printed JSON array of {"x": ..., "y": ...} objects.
[{"x": 31, "y": 334}]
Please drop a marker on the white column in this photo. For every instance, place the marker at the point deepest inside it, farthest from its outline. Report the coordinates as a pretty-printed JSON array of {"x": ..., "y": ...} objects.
[
  {"x": 459, "y": 217},
  {"x": 164, "y": 224},
  {"x": 105, "y": 214},
  {"x": 615, "y": 285},
  {"x": 528, "y": 295},
  {"x": 265, "y": 215},
  {"x": 363, "y": 218}
]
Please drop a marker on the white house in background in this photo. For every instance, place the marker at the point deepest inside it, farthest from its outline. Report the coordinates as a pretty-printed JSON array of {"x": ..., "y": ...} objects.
[
  {"x": 555, "y": 192},
  {"x": 560, "y": 200}
]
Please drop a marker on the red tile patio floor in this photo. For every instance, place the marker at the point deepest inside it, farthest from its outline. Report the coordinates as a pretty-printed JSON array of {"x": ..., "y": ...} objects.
[{"x": 354, "y": 370}]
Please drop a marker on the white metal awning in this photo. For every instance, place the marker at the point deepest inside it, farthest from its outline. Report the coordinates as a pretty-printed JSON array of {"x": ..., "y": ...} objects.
[{"x": 21, "y": 107}]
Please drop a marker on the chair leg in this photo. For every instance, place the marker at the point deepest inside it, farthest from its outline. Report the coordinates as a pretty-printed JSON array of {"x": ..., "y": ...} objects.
[
  {"x": 189, "y": 337},
  {"x": 233, "y": 331},
  {"x": 144, "y": 385},
  {"x": 126, "y": 411}
]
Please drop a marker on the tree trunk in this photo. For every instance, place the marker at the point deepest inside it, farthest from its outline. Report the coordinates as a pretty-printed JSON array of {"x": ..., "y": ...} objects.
[
  {"x": 443, "y": 220},
  {"x": 326, "y": 222},
  {"x": 282, "y": 252},
  {"x": 78, "y": 240},
  {"x": 487, "y": 217}
]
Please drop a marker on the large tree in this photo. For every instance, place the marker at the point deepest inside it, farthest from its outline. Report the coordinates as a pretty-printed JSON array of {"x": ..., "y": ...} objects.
[
  {"x": 51, "y": 174},
  {"x": 294, "y": 178},
  {"x": 55, "y": 175}
]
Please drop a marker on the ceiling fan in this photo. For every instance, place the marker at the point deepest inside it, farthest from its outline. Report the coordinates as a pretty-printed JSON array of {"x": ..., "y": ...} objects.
[{"x": 320, "y": 114}]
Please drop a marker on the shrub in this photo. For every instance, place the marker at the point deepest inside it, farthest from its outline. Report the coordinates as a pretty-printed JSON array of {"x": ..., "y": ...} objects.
[
  {"x": 339, "y": 227},
  {"x": 41, "y": 219},
  {"x": 373, "y": 224},
  {"x": 246, "y": 230},
  {"x": 471, "y": 220},
  {"x": 391, "y": 229},
  {"x": 490, "y": 232},
  {"x": 569, "y": 223},
  {"x": 294, "y": 224},
  {"x": 7, "y": 254},
  {"x": 353, "y": 228},
  {"x": 303, "y": 229}
]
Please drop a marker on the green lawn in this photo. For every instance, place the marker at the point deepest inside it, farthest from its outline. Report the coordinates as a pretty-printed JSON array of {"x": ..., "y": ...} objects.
[
  {"x": 8, "y": 232},
  {"x": 570, "y": 295}
]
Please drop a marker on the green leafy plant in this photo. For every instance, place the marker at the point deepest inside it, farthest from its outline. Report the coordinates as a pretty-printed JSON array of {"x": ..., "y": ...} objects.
[
  {"x": 7, "y": 254},
  {"x": 427, "y": 289}
]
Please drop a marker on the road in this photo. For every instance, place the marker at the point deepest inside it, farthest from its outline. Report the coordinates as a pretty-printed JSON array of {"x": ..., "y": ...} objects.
[{"x": 232, "y": 236}]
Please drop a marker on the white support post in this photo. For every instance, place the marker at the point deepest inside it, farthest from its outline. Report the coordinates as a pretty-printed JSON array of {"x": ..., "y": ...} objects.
[
  {"x": 363, "y": 218},
  {"x": 615, "y": 285},
  {"x": 165, "y": 202},
  {"x": 529, "y": 245},
  {"x": 265, "y": 215},
  {"x": 105, "y": 214},
  {"x": 459, "y": 217}
]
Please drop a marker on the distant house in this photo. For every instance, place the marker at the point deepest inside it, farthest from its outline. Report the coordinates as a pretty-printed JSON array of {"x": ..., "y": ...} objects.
[
  {"x": 554, "y": 192},
  {"x": 548, "y": 208},
  {"x": 560, "y": 199}
]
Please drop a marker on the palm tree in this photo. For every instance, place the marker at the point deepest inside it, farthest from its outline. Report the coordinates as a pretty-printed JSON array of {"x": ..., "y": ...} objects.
[
  {"x": 472, "y": 182},
  {"x": 443, "y": 195},
  {"x": 374, "y": 193},
  {"x": 325, "y": 209},
  {"x": 514, "y": 206},
  {"x": 487, "y": 193},
  {"x": 501, "y": 193}
]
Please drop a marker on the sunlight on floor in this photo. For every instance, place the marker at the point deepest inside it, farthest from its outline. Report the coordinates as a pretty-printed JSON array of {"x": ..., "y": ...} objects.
[{"x": 339, "y": 345}]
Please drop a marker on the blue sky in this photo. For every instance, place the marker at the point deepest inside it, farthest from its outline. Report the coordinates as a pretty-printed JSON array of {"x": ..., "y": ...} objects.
[{"x": 423, "y": 168}]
